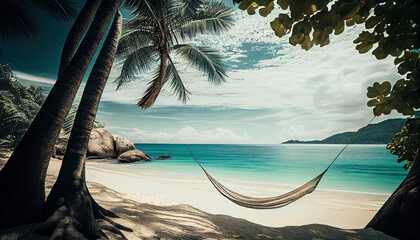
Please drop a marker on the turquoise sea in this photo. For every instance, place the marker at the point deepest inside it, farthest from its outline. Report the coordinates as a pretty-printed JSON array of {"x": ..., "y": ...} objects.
[{"x": 360, "y": 168}]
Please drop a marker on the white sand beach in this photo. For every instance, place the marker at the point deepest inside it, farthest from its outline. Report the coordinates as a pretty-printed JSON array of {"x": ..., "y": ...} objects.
[
  {"x": 334, "y": 208},
  {"x": 162, "y": 207}
]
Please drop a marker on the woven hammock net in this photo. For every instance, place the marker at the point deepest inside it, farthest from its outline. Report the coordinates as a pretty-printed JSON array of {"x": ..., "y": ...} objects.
[
  {"x": 266, "y": 202},
  {"x": 270, "y": 202}
]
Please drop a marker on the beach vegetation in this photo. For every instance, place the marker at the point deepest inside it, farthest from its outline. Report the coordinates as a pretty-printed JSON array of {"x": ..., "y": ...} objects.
[
  {"x": 19, "y": 103},
  {"x": 406, "y": 143}
]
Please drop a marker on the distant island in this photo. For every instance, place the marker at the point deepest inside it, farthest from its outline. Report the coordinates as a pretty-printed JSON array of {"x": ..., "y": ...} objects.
[{"x": 379, "y": 133}]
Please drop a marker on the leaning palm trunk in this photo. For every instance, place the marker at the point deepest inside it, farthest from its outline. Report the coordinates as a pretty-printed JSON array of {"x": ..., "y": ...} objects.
[
  {"x": 22, "y": 179},
  {"x": 400, "y": 215},
  {"x": 153, "y": 92},
  {"x": 69, "y": 197},
  {"x": 77, "y": 31}
]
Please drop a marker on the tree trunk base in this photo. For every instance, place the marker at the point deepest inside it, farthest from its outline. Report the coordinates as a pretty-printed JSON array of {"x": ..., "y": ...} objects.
[
  {"x": 399, "y": 217},
  {"x": 76, "y": 215}
]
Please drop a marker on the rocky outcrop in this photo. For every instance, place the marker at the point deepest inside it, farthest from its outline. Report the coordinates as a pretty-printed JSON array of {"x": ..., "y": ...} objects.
[
  {"x": 133, "y": 156},
  {"x": 122, "y": 145},
  {"x": 101, "y": 144}
]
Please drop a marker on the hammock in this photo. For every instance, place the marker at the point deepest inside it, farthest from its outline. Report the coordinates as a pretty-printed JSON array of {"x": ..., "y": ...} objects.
[{"x": 269, "y": 202}]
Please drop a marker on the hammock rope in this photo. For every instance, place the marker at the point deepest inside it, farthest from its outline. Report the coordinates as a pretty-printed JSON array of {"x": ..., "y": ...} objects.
[{"x": 270, "y": 202}]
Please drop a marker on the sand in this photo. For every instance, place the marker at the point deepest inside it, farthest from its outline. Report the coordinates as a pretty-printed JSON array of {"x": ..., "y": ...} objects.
[{"x": 157, "y": 208}]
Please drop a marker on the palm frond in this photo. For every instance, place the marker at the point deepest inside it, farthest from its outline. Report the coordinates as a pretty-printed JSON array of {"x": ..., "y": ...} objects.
[
  {"x": 139, "y": 61},
  {"x": 141, "y": 7},
  {"x": 139, "y": 22},
  {"x": 177, "y": 85},
  {"x": 8, "y": 114},
  {"x": 205, "y": 59},
  {"x": 36, "y": 94},
  {"x": 212, "y": 18},
  {"x": 60, "y": 10},
  {"x": 148, "y": 98},
  {"x": 190, "y": 6},
  {"x": 18, "y": 106},
  {"x": 132, "y": 41},
  {"x": 98, "y": 125},
  {"x": 68, "y": 124},
  {"x": 16, "y": 23}
]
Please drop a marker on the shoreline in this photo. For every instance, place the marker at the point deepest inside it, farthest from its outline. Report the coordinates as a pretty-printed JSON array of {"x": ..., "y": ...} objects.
[
  {"x": 153, "y": 216},
  {"x": 281, "y": 186},
  {"x": 343, "y": 209}
]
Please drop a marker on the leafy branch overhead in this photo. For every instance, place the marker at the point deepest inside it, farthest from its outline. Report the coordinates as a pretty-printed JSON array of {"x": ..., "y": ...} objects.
[
  {"x": 392, "y": 29},
  {"x": 406, "y": 143}
]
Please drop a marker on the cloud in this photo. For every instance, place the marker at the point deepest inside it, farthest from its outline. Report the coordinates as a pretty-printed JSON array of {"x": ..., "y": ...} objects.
[
  {"x": 34, "y": 78},
  {"x": 187, "y": 134}
]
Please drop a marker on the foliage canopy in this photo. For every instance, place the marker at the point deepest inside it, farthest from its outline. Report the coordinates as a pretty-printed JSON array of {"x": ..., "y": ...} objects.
[
  {"x": 406, "y": 143},
  {"x": 392, "y": 29}
]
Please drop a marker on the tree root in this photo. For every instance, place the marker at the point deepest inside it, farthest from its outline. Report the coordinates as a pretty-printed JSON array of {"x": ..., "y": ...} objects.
[{"x": 82, "y": 218}]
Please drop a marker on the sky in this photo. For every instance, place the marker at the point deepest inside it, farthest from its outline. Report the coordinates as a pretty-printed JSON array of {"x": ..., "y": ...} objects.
[{"x": 274, "y": 91}]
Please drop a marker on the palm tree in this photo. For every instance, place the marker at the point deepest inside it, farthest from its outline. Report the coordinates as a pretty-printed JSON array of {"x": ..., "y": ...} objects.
[
  {"x": 22, "y": 179},
  {"x": 17, "y": 23},
  {"x": 77, "y": 203},
  {"x": 162, "y": 27}
]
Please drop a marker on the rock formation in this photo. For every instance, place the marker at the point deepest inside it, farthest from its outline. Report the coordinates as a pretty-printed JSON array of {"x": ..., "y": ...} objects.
[{"x": 133, "y": 156}]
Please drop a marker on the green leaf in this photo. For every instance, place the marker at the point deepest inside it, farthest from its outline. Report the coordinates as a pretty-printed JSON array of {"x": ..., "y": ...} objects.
[
  {"x": 373, "y": 91},
  {"x": 372, "y": 103},
  {"x": 364, "y": 47},
  {"x": 380, "y": 53},
  {"x": 307, "y": 43},
  {"x": 339, "y": 27},
  {"x": 284, "y": 4},
  {"x": 385, "y": 88},
  {"x": 377, "y": 111},
  {"x": 400, "y": 83},
  {"x": 372, "y": 21},
  {"x": 350, "y": 23},
  {"x": 245, "y": 4},
  {"x": 296, "y": 39},
  {"x": 250, "y": 10},
  {"x": 346, "y": 9},
  {"x": 267, "y": 10}
]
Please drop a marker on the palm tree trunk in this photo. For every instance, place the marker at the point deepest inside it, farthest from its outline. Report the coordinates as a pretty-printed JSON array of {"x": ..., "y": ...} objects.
[
  {"x": 70, "y": 191},
  {"x": 150, "y": 98},
  {"x": 77, "y": 32},
  {"x": 399, "y": 217},
  {"x": 22, "y": 179}
]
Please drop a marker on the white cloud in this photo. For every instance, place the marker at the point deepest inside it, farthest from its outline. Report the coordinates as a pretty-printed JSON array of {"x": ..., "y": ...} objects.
[
  {"x": 34, "y": 78},
  {"x": 187, "y": 134}
]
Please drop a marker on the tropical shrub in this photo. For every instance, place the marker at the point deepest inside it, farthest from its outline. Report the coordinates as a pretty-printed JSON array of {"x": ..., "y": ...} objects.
[{"x": 19, "y": 103}]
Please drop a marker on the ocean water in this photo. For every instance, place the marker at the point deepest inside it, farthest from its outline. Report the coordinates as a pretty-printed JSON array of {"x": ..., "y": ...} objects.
[{"x": 360, "y": 168}]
